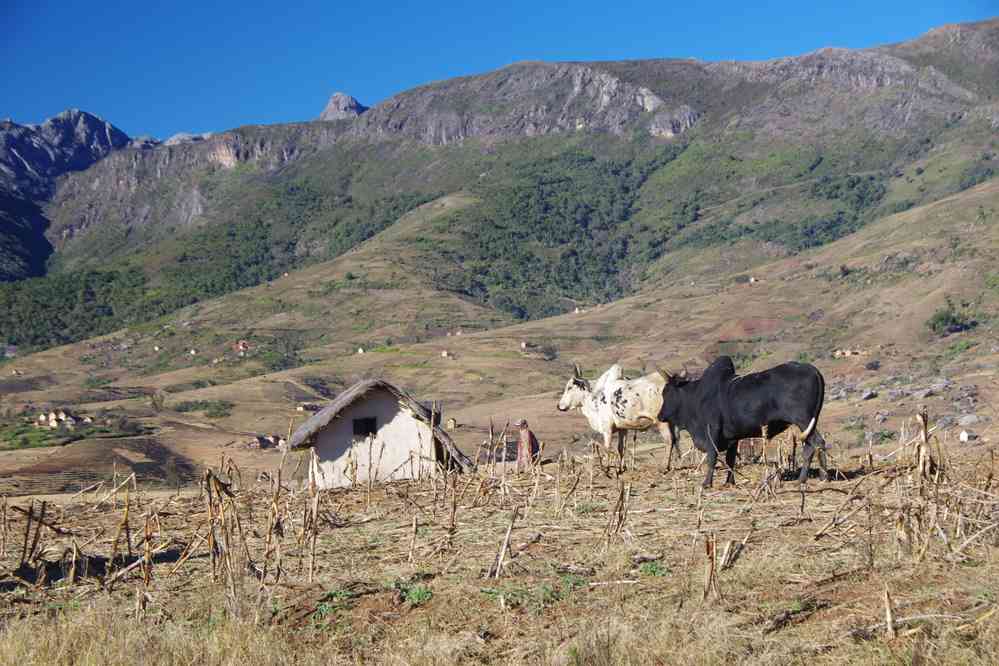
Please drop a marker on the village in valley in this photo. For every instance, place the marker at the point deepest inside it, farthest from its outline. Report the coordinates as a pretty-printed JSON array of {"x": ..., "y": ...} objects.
[{"x": 662, "y": 361}]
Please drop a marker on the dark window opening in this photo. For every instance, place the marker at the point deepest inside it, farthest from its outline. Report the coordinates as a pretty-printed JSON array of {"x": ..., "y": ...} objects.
[{"x": 365, "y": 427}]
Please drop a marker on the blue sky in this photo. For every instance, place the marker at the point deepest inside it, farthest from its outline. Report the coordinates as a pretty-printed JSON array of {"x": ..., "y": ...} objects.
[{"x": 203, "y": 66}]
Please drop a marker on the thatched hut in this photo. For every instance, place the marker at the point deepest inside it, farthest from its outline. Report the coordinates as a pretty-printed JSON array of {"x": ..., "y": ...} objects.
[{"x": 375, "y": 429}]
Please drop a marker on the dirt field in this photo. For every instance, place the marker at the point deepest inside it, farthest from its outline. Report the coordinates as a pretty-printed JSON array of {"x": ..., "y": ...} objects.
[{"x": 563, "y": 565}]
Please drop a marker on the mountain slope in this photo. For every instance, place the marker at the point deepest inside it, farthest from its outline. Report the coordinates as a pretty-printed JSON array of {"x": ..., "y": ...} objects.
[
  {"x": 646, "y": 158},
  {"x": 875, "y": 292}
]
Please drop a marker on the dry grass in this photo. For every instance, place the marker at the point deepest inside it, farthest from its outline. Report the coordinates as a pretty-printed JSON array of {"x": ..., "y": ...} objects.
[{"x": 611, "y": 573}]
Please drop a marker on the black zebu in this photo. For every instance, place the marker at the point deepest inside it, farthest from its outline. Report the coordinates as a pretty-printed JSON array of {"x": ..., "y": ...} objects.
[{"x": 721, "y": 408}]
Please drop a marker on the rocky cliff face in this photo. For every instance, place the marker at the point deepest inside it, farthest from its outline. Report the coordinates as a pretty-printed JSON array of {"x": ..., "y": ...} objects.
[
  {"x": 527, "y": 99},
  {"x": 342, "y": 107},
  {"x": 839, "y": 89},
  {"x": 163, "y": 186},
  {"x": 966, "y": 53}
]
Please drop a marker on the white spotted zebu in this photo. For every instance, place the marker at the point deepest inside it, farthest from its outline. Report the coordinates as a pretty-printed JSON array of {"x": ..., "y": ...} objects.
[{"x": 614, "y": 404}]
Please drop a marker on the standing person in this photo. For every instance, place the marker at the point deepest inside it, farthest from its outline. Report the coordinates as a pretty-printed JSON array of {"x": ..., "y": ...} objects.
[{"x": 527, "y": 446}]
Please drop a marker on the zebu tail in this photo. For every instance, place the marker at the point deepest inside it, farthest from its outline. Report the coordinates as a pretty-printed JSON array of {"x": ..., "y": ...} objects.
[{"x": 818, "y": 407}]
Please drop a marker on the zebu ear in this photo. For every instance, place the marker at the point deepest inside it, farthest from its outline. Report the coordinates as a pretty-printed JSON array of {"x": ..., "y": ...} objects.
[{"x": 667, "y": 375}]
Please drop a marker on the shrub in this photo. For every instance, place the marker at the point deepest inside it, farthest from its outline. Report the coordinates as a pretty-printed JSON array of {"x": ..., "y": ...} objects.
[
  {"x": 93, "y": 382},
  {"x": 975, "y": 174},
  {"x": 949, "y": 319},
  {"x": 213, "y": 409}
]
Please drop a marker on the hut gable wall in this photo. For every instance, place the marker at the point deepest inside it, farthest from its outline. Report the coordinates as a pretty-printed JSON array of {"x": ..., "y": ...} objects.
[{"x": 398, "y": 433}]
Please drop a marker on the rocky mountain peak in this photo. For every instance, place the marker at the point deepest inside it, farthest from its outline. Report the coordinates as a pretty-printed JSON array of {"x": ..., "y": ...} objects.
[
  {"x": 83, "y": 137},
  {"x": 340, "y": 106},
  {"x": 32, "y": 156}
]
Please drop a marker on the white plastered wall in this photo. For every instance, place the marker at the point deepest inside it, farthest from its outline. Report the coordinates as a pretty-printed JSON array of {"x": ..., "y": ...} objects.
[{"x": 402, "y": 448}]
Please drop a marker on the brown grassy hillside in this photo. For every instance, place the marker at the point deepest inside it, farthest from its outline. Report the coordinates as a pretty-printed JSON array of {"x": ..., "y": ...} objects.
[{"x": 872, "y": 292}]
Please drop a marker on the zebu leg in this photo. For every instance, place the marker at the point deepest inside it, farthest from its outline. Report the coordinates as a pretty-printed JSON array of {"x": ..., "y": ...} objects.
[
  {"x": 820, "y": 445},
  {"x": 709, "y": 477},
  {"x": 621, "y": 435},
  {"x": 730, "y": 454},
  {"x": 669, "y": 436},
  {"x": 608, "y": 436}
]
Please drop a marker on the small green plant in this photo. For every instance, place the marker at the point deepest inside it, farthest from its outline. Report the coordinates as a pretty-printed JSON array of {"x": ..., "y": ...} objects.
[
  {"x": 882, "y": 437},
  {"x": 411, "y": 592},
  {"x": 744, "y": 360},
  {"x": 536, "y": 600},
  {"x": 329, "y": 605},
  {"x": 417, "y": 595},
  {"x": 958, "y": 348},
  {"x": 573, "y": 582},
  {"x": 655, "y": 568}
]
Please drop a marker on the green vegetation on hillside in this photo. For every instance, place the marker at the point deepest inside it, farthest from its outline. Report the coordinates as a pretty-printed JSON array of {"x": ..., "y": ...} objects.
[
  {"x": 560, "y": 220},
  {"x": 547, "y": 229},
  {"x": 209, "y": 261},
  {"x": 22, "y": 433},
  {"x": 854, "y": 199},
  {"x": 213, "y": 409}
]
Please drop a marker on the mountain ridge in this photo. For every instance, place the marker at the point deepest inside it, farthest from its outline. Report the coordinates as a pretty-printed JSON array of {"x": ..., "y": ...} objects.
[{"x": 771, "y": 127}]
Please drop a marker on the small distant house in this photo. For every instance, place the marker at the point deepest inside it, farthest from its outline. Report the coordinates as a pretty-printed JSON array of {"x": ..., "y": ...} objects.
[
  {"x": 375, "y": 429},
  {"x": 9, "y": 351}
]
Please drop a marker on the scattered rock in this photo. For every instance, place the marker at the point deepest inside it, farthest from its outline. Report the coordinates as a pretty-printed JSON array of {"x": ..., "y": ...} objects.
[
  {"x": 869, "y": 394},
  {"x": 873, "y": 365},
  {"x": 968, "y": 420},
  {"x": 941, "y": 384}
]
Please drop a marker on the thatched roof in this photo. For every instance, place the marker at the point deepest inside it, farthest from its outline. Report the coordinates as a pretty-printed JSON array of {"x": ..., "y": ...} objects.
[{"x": 303, "y": 437}]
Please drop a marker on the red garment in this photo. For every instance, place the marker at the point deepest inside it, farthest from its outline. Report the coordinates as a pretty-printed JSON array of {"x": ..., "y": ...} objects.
[{"x": 527, "y": 447}]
